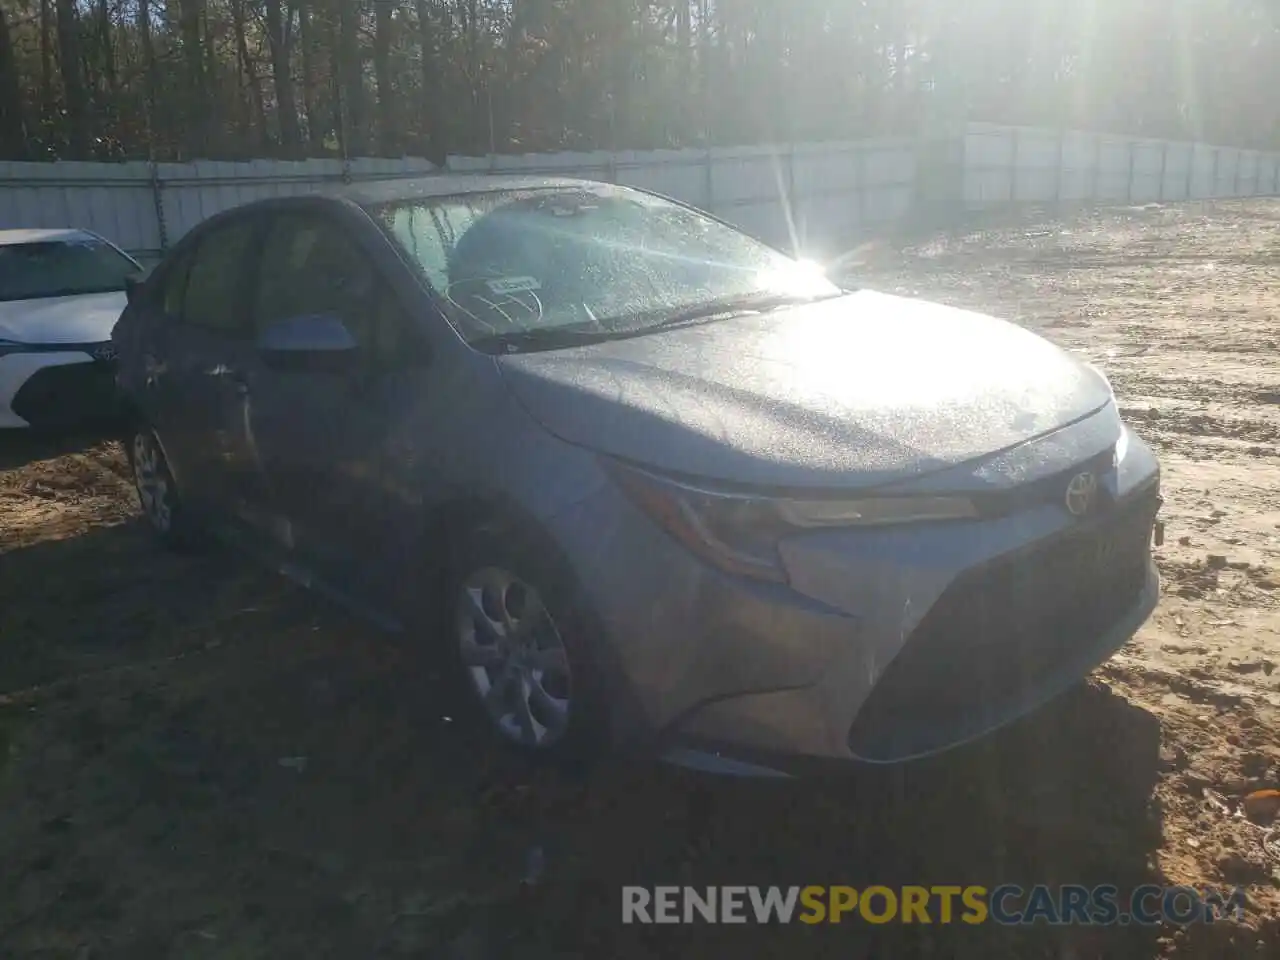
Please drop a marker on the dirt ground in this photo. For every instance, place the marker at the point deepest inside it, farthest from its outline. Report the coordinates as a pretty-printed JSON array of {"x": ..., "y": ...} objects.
[{"x": 197, "y": 760}]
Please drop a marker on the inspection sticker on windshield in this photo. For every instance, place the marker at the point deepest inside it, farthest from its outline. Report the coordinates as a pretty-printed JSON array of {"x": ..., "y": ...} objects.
[{"x": 504, "y": 285}]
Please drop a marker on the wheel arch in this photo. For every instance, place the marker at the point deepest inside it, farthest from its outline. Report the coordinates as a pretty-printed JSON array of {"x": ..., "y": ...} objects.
[
  {"x": 443, "y": 530},
  {"x": 443, "y": 526},
  {"x": 133, "y": 418}
]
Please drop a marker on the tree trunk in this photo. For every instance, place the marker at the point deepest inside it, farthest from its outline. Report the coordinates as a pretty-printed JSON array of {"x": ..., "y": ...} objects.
[
  {"x": 433, "y": 142},
  {"x": 48, "y": 108},
  {"x": 306, "y": 36},
  {"x": 351, "y": 77},
  {"x": 13, "y": 135},
  {"x": 79, "y": 136},
  {"x": 258, "y": 111},
  {"x": 213, "y": 105},
  {"x": 282, "y": 77},
  {"x": 481, "y": 119},
  {"x": 388, "y": 132},
  {"x": 196, "y": 107},
  {"x": 108, "y": 51},
  {"x": 151, "y": 82}
]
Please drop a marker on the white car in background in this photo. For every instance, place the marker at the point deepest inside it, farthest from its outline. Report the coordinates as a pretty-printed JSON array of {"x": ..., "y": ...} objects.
[{"x": 61, "y": 292}]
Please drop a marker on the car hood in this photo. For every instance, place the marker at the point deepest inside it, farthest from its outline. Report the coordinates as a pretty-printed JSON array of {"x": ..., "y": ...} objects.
[
  {"x": 854, "y": 391},
  {"x": 87, "y": 318}
]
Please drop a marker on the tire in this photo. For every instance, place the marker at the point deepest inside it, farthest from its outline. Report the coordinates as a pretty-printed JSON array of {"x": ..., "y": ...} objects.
[
  {"x": 158, "y": 495},
  {"x": 518, "y": 641}
]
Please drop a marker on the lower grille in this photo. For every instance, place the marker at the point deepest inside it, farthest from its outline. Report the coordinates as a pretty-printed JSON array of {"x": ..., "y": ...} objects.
[
  {"x": 67, "y": 395},
  {"x": 1004, "y": 627}
]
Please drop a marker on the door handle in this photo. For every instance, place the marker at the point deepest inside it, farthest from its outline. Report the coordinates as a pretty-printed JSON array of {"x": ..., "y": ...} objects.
[{"x": 153, "y": 369}]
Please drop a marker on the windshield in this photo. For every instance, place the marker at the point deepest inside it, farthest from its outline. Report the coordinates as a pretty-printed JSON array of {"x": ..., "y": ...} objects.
[
  {"x": 603, "y": 260},
  {"x": 62, "y": 268}
]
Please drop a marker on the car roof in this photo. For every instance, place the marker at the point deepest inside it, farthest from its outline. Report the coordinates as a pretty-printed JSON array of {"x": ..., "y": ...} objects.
[
  {"x": 8, "y": 237},
  {"x": 378, "y": 192}
]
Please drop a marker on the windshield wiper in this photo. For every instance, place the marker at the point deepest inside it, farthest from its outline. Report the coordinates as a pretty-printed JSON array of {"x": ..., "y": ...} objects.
[
  {"x": 576, "y": 334},
  {"x": 543, "y": 338},
  {"x": 724, "y": 308}
]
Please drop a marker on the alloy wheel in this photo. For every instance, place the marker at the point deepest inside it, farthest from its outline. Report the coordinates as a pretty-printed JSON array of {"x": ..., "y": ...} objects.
[
  {"x": 514, "y": 655},
  {"x": 151, "y": 478}
]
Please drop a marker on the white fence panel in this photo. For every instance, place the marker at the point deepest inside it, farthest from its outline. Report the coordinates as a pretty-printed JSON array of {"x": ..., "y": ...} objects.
[
  {"x": 1224, "y": 172},
  {"x": 1178, "y": 158},
  {"x": 144, "y": 209},
  {"x": 679, "y": 174},
  {"x": 113, "y": 199},
  {"x": 989, "y": 165},
  {"x": 1025, "y": 164},
  {"x": 1202, "y": 173},
  {"x": 1079, "y": 165},
  {"x": 819, "y": 195}
]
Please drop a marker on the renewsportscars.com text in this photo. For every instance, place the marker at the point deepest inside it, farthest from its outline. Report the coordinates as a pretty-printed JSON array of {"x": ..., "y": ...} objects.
[{"x": 1005, "y": 904}]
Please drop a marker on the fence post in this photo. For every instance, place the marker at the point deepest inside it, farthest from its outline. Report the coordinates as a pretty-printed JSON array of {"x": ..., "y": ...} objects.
[
  {"x": 1132, "y": 152},
  {"x": 1058, "y": 171},
  {"x": 708, "y": 179},
  {"x": 157, "y": 199},
  {"x": 860, "y": 165},
  {"x": 792, "y": 218},
  {"x": 1217, "y": 161},
  {"x": 1097, "y": 167},
  {"x": 1191, "y": 169},
  {"x": 1235, "y": 182},
  {"x": 1164, "y": 166},
  {"x": 1013, "y": 168}
]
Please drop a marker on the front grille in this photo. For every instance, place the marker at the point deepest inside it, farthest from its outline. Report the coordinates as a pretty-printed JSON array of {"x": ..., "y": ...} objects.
[
  {"x": 1004, "y": 627},
  {"x": 67, "y": 395},
  {"x": 1051, "y": 489}
]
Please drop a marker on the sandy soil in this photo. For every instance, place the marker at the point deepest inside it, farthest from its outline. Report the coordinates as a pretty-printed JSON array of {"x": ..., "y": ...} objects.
[{"x": 198, "y": 760}]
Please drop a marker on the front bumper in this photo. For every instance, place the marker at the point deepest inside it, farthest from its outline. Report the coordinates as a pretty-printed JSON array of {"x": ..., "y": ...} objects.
[
  {"x": 889, "y": 644},
  {"x": 56, "y": 388}
]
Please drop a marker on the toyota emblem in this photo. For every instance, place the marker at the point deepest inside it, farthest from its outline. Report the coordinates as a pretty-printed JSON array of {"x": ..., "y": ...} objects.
[{"x": 1081, "y": 492}]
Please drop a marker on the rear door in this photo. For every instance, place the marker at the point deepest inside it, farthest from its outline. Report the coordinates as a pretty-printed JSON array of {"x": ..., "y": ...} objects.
[
  {"x": 143, "y": 342},
  {"x": 207, "y": 341}
]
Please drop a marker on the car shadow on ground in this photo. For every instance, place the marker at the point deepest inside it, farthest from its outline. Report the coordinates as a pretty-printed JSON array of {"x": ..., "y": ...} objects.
[
  {"x": 217, "y": 764},
  {"x": 21, "y": 447}
]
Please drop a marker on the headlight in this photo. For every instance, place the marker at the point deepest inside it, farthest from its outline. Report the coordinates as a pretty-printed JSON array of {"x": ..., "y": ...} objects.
[{"x": 740, "y": 532}]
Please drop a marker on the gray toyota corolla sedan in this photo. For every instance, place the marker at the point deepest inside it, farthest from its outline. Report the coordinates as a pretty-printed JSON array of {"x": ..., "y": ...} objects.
[{"x": 639, "y": 478}]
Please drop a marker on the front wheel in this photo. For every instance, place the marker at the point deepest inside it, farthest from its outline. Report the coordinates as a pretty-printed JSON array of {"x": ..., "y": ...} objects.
[
  {"x": 158, "y": 495},
  {"x": 520, "y": 642}
]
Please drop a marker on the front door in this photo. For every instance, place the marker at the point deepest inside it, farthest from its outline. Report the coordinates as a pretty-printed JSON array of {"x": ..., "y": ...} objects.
[{"x": 318, "y": 438}]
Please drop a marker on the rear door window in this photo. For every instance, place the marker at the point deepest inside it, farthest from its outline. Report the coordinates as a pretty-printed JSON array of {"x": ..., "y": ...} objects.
[{"x": 173, "y": 287}]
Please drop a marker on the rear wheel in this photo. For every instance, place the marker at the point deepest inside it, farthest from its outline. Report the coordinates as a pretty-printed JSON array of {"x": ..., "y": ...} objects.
[{"x": 158, "y": 495}]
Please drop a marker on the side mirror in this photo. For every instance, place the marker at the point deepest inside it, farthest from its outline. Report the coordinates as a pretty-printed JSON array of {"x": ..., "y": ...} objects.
[
  {"x": 316, "y": 342},
  {"x": 133, "y": 285}
]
